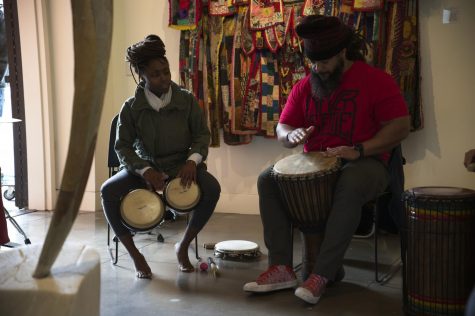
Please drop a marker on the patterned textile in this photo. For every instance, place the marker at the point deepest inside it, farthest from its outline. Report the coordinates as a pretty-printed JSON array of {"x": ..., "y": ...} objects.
[
  {"x": 311, "y": 7},
  {"x": 290, "y": 58},
  {"x": 252, "y": 94},
  {"x": 212, "y": 40},
  {"x": 221, "y": 7},
  {"x": 270, "y": 108},
  {"x": 240, "y": 65},
  {"x": 408, "y": 64},
  {"x": 367, "y": 5},
  {"x": 240, "y": 2},
  {"x": 265, "y": 13},
  {"x": 247, "y": 38},
  {"x": 225, "y": 75},
  {"x": 189, "y": 58},
  {"x": 241, "y": 58},
  {"x": 204, "y": 99},
  {"x": 184, "y": 14}
]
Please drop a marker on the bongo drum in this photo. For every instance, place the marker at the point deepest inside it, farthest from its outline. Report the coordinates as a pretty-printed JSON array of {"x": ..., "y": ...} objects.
[
  {"x": 141, "y": 210},
  {"x": 236, "y": 250},
  {"x": 180, "y": 198},
  {"x": 438, "y": 243},
  {"x": 306, "y": 181}
]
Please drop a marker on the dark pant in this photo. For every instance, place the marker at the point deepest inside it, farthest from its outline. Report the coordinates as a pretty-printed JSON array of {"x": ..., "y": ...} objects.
[
  {"x": 123, "y": 182},
  {"x": 359, "y": 182}
]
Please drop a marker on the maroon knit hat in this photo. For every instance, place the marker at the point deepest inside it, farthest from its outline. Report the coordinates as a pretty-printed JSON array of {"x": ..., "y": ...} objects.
[{"x": 323, "y": 36}]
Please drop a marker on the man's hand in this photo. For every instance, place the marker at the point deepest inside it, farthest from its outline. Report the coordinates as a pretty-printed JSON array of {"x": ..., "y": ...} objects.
[
  {"x": 469, "y": 161},
  {"x": 155, "y": 179},
  {"x": 188, "y": 173},
  {"x": 299, "y": 135},
  {"x": 345, "y": 152}
]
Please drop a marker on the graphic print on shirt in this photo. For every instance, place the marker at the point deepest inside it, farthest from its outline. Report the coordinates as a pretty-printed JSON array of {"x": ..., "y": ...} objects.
[{"x": 335, "y": 116}]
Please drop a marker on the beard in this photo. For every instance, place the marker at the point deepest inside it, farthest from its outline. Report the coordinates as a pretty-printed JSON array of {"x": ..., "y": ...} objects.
[{"x": 324, "y": 84}]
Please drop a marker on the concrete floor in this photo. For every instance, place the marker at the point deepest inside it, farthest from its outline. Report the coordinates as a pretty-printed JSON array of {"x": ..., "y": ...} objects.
[{"x": 171, "y": 292}]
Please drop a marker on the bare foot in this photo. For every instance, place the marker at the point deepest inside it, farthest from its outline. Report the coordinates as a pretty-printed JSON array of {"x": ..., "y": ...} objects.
[
  {"x": 184, "y": 263},
  {"x": 142, "y": 268}
]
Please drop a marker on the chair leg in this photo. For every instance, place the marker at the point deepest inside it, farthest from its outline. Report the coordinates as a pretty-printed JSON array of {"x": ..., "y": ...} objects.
[
  {"x": 298, "y": 266},
  {"x": 376, "y": 262},
  {"x": 115, "y": 258},
  {"x": 395, "y": 266},
  {"x": 196, "y": 249},
  {"x": 196, "y": 239}
]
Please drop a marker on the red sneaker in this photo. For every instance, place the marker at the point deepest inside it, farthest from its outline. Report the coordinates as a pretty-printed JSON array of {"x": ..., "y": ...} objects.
[
  {"x": 276, "y": 277},
  {"x": 312, "y": 289}
]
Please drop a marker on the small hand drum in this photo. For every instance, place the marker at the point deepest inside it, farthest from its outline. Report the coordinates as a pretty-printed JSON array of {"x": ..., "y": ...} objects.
[
  {"x": 180, "y": 198},
  {"x": 306, "y": 181},
  {"x": 141, "y": 210},
  {"x": 236, "y": 250}
]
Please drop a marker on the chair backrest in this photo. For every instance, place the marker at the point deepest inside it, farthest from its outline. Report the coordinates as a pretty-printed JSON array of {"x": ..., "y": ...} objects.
[
  {"x": 394, "y": 206},
  {"x": 112, "y": 159}
]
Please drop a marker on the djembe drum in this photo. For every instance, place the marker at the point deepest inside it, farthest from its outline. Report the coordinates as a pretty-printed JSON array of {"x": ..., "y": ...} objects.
[
  {"x": 141, "y": 210},
  {"x": 181, "y": 199},
  {"x": 306, "y": 181},
  {"x": 438, "y": 250}
]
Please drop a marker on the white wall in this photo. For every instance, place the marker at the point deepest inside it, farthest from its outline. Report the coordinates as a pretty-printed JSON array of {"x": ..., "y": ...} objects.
[{"x": 434, "y": 154}]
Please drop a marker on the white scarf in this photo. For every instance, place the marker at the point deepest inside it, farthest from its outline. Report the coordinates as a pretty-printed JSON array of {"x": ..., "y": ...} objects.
[{"x": 158, "y": 102}]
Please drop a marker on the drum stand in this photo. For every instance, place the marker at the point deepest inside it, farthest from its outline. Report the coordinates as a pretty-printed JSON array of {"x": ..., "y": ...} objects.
[
  {"x": 14, "y": 223},
  {"x": 114, "y": 253},
  {"x": 18, "y": 228}
]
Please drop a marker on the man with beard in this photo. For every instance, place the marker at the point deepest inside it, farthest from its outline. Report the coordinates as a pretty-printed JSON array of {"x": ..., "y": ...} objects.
[{"x": 343, "y": 108}]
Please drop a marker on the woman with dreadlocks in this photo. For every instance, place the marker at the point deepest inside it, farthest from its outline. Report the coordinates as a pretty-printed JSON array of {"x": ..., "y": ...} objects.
[
  {"x": 161, "y": 134},
  {"x": 344, "y": 108}
]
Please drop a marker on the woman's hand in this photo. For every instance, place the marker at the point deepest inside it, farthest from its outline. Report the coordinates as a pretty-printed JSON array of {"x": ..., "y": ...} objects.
[
  {"x": 187, "y": 173},
  {"x": 155, "y": 179}
]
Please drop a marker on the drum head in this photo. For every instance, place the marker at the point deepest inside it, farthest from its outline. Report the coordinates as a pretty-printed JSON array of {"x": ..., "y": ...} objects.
[
  {"x": 141, "y": 210},
  {"x": 305, "y": 163},
  {"x": 181, "y": 198},
  {"x": 236, "y": 249},
  {"x": 236, "y": 246},
  {"x": 442, "y": 192}
]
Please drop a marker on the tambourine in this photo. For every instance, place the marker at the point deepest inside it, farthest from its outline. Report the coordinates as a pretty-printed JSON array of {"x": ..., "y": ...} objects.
[{"x": 237, "y": 250}]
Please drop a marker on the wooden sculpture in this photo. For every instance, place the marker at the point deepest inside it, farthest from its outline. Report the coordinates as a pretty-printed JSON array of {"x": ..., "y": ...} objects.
[{"x": 92, "y": 31}]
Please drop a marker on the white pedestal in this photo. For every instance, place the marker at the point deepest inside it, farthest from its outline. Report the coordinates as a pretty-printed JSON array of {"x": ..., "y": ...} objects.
[{"x": 73, "y": 288}]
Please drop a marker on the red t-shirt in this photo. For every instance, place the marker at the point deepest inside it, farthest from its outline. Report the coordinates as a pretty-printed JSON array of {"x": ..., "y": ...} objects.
[{"x": 352, "y": 114}]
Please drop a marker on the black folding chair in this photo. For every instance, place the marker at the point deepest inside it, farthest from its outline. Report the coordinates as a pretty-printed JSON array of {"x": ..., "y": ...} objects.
[{"x": 389, "y": 203}]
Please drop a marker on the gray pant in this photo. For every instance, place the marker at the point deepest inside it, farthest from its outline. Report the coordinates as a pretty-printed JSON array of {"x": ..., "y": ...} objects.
[
  {"x": 123, "y": 182},
  {"x": 359, "y": 182}
]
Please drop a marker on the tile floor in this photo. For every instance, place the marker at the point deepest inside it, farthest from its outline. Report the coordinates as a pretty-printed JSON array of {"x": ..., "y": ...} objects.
[{"x": 173, "y": 293}]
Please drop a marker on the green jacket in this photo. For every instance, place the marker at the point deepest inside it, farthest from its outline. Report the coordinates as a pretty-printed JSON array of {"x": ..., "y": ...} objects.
[{"x": 165, "y": 139}]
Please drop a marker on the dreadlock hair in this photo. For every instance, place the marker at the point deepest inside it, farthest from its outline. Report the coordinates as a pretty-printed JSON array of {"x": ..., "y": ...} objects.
[
  {"x": 357, "y": 48},
  {"x": 140, "y": 54}
]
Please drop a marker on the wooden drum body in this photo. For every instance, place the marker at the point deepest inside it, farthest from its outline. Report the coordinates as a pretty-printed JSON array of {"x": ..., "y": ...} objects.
[
  {"x": 141, "y": 210},
  {"x": 306, "y": 181},
  {"x": 438, "y": 243}
]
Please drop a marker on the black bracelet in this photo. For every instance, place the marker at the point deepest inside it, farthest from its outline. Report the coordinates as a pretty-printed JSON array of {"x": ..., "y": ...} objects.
[{"x": 360, "y": 149}]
